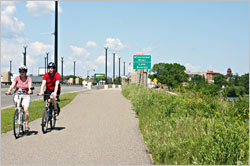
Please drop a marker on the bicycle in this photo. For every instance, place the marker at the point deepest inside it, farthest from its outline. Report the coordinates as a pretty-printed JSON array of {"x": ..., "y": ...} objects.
[
  {"x": 18, "y": 118},
  {"x": 49, "y": 115}
]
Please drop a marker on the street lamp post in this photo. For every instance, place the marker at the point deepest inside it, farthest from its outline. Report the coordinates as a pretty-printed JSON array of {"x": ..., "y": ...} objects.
[
  {"x": 124, "y": 68},
  {"x": 45, "y": 64},
  {"x": 74, "y": 71},
  {"x": 106, "y": 61},
  {"x": 113, "y": 68},
  {"x": 24, "y": 55},
  {"x": 62, "y": 68},
  {"x": 119, "y": 70},
  {"x": 47, "y": 60},
  {"x": 10, "y": 66},
  {"x": 56, "y": 33}
]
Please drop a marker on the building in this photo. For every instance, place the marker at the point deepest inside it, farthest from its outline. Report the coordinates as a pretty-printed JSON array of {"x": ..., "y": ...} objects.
[
  {"x": 229, "y": 71},
  {"x": 192, "y": 74},
  {"x": 210, "y": 76}
]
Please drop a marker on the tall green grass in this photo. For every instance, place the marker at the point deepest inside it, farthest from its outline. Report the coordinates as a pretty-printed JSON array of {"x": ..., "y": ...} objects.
[
  {"x": 192, "y": 129},
  {"x": 35, "y": 111}
]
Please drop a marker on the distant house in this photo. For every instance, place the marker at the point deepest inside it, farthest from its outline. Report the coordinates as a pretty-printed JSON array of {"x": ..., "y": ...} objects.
[
  {"x": 210, "y": 76},
  {"x": 192, "y": 74}
]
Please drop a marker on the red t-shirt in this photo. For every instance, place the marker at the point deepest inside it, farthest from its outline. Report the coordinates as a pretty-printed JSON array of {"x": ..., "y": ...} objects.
[{"x": 51, "y": 81}]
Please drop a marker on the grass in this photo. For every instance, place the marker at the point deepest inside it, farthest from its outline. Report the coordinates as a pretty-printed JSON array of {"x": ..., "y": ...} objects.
[
  {"x": 192, "y": 129},
  {"x": 35, "y": 111}
]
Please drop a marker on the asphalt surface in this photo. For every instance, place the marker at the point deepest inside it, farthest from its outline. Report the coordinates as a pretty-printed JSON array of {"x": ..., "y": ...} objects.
[
  {"x": 97, "y": 128},
  {"x": 7, "y": 100}
]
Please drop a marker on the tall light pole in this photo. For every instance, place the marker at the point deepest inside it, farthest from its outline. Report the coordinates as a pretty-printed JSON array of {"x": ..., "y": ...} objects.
[
  {"x": 124, "y": 68},
  {"x": 10, "y": 66},
  {"x": 56, "y": 33},
  {"x": 119, "y": 70},
  {"x": 113, "y": 68},
  {"x": 62, "y": 68},
  {"x": 106, "y": 61},
  {"x": 74, "y": 72},
  {"x": 47, "y": 62},
  {"x": 24, "y": 55}
]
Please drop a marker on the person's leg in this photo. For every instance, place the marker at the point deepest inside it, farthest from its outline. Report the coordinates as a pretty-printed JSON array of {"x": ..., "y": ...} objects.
[
  {"x": 53, "y": 100},
  {"x": 26, "y": 113},
  {"x": 26, "y": 103}
]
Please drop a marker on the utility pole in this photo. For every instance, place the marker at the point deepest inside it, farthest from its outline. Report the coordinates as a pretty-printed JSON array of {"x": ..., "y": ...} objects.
[
  {"x": 113, "y": 68},
  {"x": 24, "y": 55},
  {"x": 56, "y": 34},
  {"x": 106, "y": 64}
]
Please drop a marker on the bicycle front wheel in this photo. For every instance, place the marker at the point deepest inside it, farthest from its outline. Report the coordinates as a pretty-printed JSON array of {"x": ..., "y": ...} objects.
[
  {"x": 45, "y": 121},
  {"x": 16, "y": 124},
  {"x": 53, "y": 120}
]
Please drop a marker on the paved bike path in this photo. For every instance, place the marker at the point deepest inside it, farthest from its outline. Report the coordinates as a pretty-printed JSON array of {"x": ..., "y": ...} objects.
[{"x": 97, "y": 128}]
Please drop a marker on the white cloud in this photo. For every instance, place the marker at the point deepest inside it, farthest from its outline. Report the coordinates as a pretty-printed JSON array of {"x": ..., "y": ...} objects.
[
  {"x": 37, "y": 8},
  {"x": 101, "y": 60},
  {"x": 91, "y": 44},
  {"x": 147, "y": 50},
  {"x": 192, "y": 68},
  {"x": 79, "y": 51},
  {"x": 114, "y": 44},
  {"x": 11, "y": 25},
  {"x": 13, "y": 50},
  {"x": 38, "y": 48}
]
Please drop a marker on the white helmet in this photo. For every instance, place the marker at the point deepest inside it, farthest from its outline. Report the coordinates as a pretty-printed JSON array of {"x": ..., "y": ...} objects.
[{"x": 22, "y": 67}]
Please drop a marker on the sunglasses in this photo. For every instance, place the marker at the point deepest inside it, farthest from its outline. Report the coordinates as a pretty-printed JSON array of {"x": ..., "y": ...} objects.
[{"x": 22, "y": 71}]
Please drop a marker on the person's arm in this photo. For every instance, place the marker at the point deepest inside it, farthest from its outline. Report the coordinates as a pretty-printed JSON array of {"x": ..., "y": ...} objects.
[
  {"x": 42, "y": 87},
  {"x": 11, "y": 87},
  {"x": 29, "y": 86},
  {"x": 56, "y": 88}
]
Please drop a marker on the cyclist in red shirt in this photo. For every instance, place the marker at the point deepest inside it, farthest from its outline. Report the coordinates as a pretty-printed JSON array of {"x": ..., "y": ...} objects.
[{"x": 52, "y": 81}]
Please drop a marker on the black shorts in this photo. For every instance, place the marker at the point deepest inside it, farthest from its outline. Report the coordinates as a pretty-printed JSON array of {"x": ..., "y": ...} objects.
[{"x": 48, "y": 93}]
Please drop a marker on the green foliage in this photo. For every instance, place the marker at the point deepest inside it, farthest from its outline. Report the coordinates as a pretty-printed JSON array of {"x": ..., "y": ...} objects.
[
  {"x": 234, "y": 91},
  {"x": 244, "y": 81},
  {"x": 204, "y": 88},
  {"x": 170, "y": 74},
  {"x": 192, "y": 128},
  {"x": 219, "y": 80},
  {"x": 35, "y": 111}
]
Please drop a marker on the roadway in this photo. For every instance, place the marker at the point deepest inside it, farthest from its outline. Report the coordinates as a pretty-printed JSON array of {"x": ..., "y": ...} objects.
[{"x": 7, "y": 100}]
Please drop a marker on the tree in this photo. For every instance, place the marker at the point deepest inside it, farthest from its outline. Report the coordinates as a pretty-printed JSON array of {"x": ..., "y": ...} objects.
[
  {"x": 170, "y": 74},
  {"x": 198, "y": 79},
  {"x": 219, "y": 80},
  {"x": 244, "y": 81}
]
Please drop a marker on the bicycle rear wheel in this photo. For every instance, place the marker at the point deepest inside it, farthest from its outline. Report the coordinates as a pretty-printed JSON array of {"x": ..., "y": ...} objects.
[
  {"x": 45, "y": 121},
  {"x": 16, "y": 124}
]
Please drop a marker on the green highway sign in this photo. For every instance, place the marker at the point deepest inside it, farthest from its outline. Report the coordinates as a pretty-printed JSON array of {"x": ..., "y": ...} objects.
[{"x": 142, "y": 62}]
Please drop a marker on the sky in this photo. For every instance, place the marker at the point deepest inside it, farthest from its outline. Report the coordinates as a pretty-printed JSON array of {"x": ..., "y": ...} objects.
[{"x": 201, "y": 36}]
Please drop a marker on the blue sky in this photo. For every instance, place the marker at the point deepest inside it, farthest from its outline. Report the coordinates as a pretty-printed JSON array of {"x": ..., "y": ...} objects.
[{"x": 199, "y": 35}]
